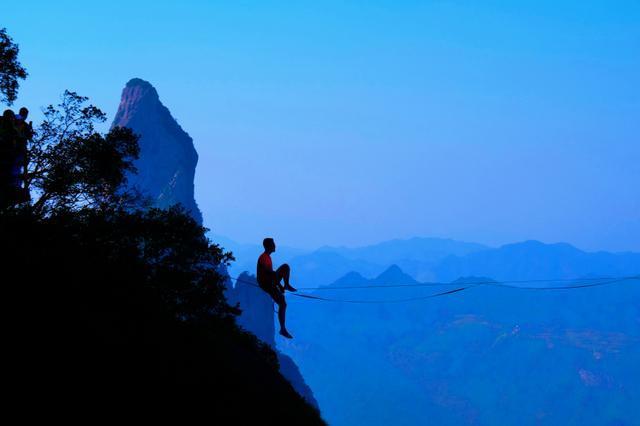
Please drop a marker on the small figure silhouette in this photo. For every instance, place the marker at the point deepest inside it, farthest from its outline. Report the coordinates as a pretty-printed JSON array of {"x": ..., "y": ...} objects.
[
  {"x": 270, "y": 281},
  {"x": 9, "y": 185},
  {"x": 24, "y": 131}
]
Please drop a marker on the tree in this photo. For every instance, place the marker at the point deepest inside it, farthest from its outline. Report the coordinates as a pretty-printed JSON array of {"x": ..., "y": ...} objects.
[
  {"x": 10, "y": 68},
  {"x": 72, "y": 166}
]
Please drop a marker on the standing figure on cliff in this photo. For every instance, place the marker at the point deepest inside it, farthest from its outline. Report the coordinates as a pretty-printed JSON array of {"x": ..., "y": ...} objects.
[
  {"x": 8, "y": 156},
  {"x": 270, "y": 281},
  {"x": 24, "y": 131}
]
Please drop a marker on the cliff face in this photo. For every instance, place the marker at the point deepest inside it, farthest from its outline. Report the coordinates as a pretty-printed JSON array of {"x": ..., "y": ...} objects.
[
  {"x": 166, "y": 170},
  {"x": 168, "y": 159},
  {"x": 258, "y": 318},
  {"x": 257, "y": 308},
  {"x": 290, "y": 371}
]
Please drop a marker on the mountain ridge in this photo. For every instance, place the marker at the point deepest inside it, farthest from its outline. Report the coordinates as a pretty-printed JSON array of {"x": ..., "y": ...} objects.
[{"x": 530, "y": 259}]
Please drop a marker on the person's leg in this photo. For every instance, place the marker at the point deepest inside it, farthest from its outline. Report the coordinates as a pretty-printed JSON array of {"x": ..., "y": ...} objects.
[
  {"x": 282, "y": 274},
  {"x": 278, "y": 297}
]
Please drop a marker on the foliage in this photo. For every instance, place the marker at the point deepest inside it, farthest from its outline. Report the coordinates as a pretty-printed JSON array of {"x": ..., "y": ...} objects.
[
  {"x": 138, "y": 291},
  {"x": 72, "y": 166},
  {"x": 132, "y": 301},
  {"x": 10, "y": 69}
]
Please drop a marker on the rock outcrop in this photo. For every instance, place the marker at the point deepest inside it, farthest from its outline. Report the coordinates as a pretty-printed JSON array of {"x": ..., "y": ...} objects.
[
  {"x": 258, "y": 318},
  {"x": 257, "y": 308},
  {"x": 289, "y": 369},
  {"x": 168, "y": 159}
]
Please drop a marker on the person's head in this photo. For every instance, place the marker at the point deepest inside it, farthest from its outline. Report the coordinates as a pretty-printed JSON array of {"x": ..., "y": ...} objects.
[
  {"x": 269, "y": 245},
  {"x": 8, "y": 114},
  {"x": 24, "y": 113}
]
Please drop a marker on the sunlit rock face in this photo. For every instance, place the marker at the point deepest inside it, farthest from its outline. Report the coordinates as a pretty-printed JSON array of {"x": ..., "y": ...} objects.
[{"x": 168, "y": 159}]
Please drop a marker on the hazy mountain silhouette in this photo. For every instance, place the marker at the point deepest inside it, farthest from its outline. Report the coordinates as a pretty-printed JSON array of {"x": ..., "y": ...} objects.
[
  {"x": 323, "y": 267},
  {"x": 247, "y": 254},
  {"x": 168, "y": 159},
  {"x": 416, "y": 249},
  {"x": 535, "y": 260},
  {"x": 350, "y": 279},
  {"x": 433, "y": 259},
  {"x": 381, "y": 287},
  {"x": 393, "y": 275},
  {"x": 417, "y": 256}
]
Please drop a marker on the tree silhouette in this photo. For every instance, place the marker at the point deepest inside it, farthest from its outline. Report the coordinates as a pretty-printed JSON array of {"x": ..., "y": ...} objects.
[
  {"x": 10, "y": 68},
  {"x": 72, "y": 166}
]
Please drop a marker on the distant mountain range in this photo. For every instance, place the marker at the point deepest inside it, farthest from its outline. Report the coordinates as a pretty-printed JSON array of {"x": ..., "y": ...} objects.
[
  {"x": 412, "y": 255},
  {"x": 532, "y": 260},
  {"x": 392, "y": 275},
  {"x": 441, "y": 260}
]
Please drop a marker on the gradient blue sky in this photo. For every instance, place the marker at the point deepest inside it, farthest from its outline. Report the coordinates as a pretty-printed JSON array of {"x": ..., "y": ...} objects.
[{"x": 354, "y": 122}]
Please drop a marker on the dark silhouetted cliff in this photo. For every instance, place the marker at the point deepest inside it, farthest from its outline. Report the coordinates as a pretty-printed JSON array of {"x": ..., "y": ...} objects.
[
  {"x": 258, "y": 318},
  {"x": 257, "y": 308}
]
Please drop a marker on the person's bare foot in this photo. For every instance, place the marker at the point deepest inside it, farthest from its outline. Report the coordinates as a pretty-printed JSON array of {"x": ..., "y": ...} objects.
[
  {"x": 289, "y": 288},
  {"x": 285, "y": 333}
]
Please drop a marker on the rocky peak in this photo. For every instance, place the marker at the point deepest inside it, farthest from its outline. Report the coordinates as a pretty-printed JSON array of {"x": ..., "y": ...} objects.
[
  {"x": 168, "y": 159},
  {"x": 394, "y": 275}
]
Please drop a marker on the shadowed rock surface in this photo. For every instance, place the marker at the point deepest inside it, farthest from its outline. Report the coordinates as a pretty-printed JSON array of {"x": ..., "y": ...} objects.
[
  {"x": 257, "y": 308},
  {"x": 258, "y": 318},
  {"x": 291, "y": 372},
  {"x": 168, "y": 159}
]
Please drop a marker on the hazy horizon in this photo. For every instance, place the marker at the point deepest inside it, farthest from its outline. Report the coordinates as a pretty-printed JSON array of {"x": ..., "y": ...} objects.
[
  {"x": 221, "y": 239},
  {"x": 340, "y": 124}
]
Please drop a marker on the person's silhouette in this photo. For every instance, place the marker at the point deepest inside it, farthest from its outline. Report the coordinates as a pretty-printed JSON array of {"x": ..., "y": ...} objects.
[
  {"x": 24, "y": 131},
  {"x": 270, "y": 281},
  {"x": 9, "y": 184}
]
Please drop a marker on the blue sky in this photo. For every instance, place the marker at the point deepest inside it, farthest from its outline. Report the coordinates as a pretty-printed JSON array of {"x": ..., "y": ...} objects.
[{"x": 354, "y": 122}]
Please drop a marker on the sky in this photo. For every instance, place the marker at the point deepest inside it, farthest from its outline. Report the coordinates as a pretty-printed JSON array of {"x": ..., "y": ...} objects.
[{"x": 349, "y": 123}]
